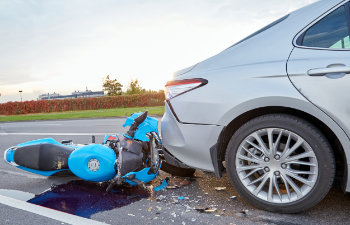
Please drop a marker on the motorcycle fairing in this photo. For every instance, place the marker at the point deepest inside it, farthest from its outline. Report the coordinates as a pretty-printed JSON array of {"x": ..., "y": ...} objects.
[
  {"x": 40, "y": 141},
  {"x": 143, "y": 176},
  {"x": 149, "y": 125}
]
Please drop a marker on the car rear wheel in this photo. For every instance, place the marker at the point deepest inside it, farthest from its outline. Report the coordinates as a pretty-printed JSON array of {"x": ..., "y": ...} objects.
[{"x": 280, "y": 163}]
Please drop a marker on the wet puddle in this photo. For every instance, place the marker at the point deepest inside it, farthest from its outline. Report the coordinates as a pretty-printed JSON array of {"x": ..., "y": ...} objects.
[{"x": 84, "y": 198}]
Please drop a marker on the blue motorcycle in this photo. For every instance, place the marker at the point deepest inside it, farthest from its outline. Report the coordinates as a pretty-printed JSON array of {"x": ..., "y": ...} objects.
[{"x": 131, "y": 158}]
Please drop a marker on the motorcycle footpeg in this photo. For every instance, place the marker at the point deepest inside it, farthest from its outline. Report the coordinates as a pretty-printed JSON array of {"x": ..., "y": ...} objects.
[
  {"x": 115, "y": 181},
  {"x": 66, "y": 142}
]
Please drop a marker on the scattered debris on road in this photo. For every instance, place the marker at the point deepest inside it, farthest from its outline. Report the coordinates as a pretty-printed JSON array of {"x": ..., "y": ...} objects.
[
  {"x": 205, "y": 209},
  {"x": 163, "y": 184},
  {"x": 220, "y": 188},
  {"x": 178, "y": 183}
]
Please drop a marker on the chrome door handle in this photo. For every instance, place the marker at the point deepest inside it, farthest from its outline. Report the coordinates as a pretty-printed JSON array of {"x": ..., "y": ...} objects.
[{"x": 329, "y": 70}]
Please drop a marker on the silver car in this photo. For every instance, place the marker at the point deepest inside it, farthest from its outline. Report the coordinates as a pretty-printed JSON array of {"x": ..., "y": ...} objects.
[{"x": 272, "y": 110}]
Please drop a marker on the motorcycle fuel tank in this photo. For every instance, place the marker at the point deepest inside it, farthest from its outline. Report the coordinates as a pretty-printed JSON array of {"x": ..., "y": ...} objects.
[{"x": 93, "y": 163}]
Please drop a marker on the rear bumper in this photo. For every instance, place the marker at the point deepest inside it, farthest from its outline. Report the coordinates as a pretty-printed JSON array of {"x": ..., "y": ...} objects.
[{"x": 190, "y": 143}]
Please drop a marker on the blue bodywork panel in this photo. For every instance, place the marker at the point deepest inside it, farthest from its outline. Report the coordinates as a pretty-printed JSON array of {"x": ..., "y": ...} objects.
[
  {"x": 40, "y": 172},
  {"x": 9, "y": 155},
  {"x": 78, "y": 162},
  {"x": 142, "y": 175},
  {"x": 40, "y": 141},
  {"x": 149, "y": 125}
]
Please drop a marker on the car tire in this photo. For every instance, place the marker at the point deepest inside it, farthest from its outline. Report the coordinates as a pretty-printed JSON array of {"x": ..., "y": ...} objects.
[
  {"x": 177, "y": 171},
  {"x": 312, "y": 175}
]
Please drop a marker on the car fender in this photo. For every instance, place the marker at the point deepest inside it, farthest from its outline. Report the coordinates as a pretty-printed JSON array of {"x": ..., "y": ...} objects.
[{"x": 296, "y": 104}]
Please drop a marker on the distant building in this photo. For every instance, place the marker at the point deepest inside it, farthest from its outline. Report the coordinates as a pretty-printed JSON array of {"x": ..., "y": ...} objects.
[{"x": 75, "y": 94}]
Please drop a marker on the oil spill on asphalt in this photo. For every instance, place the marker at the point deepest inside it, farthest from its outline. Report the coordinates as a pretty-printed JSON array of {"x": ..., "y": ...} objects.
[{"x": 84, "y": 198}]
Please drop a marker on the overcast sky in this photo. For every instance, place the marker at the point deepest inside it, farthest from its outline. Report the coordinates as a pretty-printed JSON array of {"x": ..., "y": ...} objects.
[{"x": 67, "y": 45}]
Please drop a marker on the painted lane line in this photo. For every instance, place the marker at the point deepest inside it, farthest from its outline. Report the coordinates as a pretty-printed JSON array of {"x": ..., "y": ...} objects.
[
  {"x": 36, "y": 124},
  {"x": 54, "y": 134},
  {"x": 20, "y": 195},
  {"x": 46, "y": 212},
  {"x": 32, "y": 176}
]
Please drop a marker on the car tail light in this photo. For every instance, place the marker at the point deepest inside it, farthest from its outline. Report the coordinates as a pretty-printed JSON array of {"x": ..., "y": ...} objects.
[{"x": 177, "y": 87}]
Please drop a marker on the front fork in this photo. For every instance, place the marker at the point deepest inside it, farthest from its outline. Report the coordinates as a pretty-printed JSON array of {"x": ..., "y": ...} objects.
[{"x": 155, "y": 145}]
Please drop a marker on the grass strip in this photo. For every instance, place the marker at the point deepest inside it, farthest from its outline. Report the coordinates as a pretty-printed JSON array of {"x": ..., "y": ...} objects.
[{"x": 155, "y": 110}]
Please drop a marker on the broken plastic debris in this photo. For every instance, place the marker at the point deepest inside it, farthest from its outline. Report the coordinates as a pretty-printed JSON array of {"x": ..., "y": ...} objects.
[
  {"x": 131, "y": 214},
  {"x": 206, "y": 209},
  {"x": 220, "y": 188},
  {"x": 172, "y": 187},
  {"x": 149, "y": 209},
  {"x": 160, "y": 197},
  {"x": 181, "y": 198},
  {"x": 233, "y": 197},
  {"x": 174, "y": 201},
  {"x": 164, "y": 184},
  {"x": 210, "y": 210}
]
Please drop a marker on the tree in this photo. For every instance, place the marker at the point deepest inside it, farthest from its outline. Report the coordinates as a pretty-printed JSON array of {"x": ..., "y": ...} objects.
[
  {"x": 134, "y": 88},
  {"x": 113, "y": 87}
]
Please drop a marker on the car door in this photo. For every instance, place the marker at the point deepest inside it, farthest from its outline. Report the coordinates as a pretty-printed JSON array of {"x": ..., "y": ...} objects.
[{"x": 319, "y": 65}]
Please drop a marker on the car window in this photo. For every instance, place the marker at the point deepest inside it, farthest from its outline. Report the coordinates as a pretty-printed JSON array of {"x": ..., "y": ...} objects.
[
  {"x": 343, "y": 43},
  {"x": 330, "y": 32}
]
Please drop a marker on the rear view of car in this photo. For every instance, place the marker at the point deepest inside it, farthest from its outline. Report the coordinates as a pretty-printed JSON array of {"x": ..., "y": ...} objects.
[{"x": 273, "y": 107}]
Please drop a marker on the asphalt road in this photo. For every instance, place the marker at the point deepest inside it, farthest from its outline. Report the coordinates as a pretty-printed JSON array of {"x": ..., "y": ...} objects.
[{"x": 161, "y": 207}]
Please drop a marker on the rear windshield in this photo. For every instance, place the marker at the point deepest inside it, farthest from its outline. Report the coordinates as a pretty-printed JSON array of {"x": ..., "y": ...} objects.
[{"x": 262, "y": 30}]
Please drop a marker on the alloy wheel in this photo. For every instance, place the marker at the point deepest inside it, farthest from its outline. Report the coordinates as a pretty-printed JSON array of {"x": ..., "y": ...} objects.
[{"x": 276, "y": 165}]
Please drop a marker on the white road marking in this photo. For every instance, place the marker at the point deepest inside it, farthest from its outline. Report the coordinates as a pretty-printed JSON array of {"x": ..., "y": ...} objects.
[
  {"x": 32, "y": 176},
  {"x": 31, "y": 124},
  {"x": 53, "y": 134},
  {"x": 46, "y": 212},
  {"x": 20, "y": 195}
]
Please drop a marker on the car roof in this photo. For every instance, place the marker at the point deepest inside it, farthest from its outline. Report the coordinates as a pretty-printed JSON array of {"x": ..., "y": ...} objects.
[{"x": 276, "y": 42}]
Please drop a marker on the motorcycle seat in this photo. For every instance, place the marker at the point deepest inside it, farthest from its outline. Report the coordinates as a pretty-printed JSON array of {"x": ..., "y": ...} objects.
[{"x": 45, "y": 156}]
